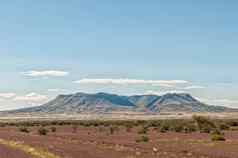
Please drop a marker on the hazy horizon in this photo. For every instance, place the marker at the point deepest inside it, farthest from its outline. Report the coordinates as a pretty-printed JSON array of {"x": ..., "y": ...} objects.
[{"x": 123, "y": 47}]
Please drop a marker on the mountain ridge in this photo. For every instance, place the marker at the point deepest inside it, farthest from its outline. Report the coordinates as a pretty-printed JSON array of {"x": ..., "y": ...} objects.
[{"x": 109, "y": 103}]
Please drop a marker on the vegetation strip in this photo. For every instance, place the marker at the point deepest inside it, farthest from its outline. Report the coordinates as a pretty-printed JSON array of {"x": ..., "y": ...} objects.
[{"x": 35, "y": 153}]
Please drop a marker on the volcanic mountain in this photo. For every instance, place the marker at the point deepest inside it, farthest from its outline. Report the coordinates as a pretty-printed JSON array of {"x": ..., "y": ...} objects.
[{"x": 109, "y": 103}]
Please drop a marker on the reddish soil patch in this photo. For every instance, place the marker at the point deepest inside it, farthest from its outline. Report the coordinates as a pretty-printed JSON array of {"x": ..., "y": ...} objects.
[
  {"x": 7, "y": 152},
  {"x": 91, "y": 143}
]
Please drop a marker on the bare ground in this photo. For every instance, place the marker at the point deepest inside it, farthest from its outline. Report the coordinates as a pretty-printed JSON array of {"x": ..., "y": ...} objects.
[
  {"x": 7, "y": 152},
  {"x": 90, "y": 143}
]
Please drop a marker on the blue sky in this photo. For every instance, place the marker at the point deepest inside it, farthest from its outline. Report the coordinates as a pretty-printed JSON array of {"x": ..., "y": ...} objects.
[{"x": 154, "y": 40}]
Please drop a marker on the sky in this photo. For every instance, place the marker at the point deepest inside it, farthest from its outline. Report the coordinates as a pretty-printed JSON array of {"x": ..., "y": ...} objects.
[{"x": 127, "y": 47}]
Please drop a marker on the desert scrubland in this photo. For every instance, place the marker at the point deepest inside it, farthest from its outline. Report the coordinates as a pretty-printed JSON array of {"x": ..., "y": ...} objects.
[{"x": 186, "y": 136}]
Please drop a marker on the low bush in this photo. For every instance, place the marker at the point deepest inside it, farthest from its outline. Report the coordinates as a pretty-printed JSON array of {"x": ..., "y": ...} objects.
[
  {"x": 24, "y": 129},
  {"x": 177, "y": 128},
  {"x": 114, "y": 129},
  {"x": 53, "y": 129},
  {"x": 217, "y": 131},
  {"x": 165, "y": 127},
  {"x": 224, "y": 126},
  {"x": 42, "y": 131},
  {"x": 142, "y": 138},
  {"x": 233, "y": 123},
  {"x": 205, "y": 125},
  {"x": 191, "y": 127},
  {"x": 143, "y": 130},
  {"x": 218, "y": 137}
]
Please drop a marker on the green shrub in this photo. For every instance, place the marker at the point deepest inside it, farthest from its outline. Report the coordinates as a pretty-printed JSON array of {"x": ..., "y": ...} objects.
[
  {"x": 217, "y": 132},
  {"x": 142, "y": 138},
  {"x": 53, "y": 129},
  {"x": 177, "y": 128},
  {"x": 190, "y": 127},
  {"x": 218, "y": 137},
  {"x": 42, "y": 131},
  {"x": 165, "y": 127},
  {"x": 154, "y": 123},
  {"x": 224, "y": 126},
  {"x": 143, "y": 130},
  {"x": 24, "y": 129},
  {"x": 205, "y": 129},
  {"x": 233, "y": 123},
  {"x": 204, "y": 124}
]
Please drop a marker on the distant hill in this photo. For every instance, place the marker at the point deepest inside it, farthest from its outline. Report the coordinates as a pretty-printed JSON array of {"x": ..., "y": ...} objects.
[{"x": 107, "y": 103}]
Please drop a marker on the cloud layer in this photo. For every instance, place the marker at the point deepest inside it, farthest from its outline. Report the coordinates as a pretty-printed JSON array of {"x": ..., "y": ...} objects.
[
  {"x": 7, "y": 95},
  {"x": 55, "y": 90},
  {"x": 159, "y": 93},
  {"x": 194, "y": 87},
  {"x": 46, "y": 73},
  {"x": 28, "y": 98},
  {"x": 222, "y": 102},
  {"x": 165, "y": 83},
  {"x": 31, "y": 97}
]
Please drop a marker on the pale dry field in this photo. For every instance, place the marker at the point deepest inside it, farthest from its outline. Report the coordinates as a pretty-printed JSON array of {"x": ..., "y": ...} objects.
[{"x": 114, "y": 116}]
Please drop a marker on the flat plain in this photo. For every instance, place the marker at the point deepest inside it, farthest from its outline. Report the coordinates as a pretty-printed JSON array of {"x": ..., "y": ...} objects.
[{"x": 166, "y": 138}]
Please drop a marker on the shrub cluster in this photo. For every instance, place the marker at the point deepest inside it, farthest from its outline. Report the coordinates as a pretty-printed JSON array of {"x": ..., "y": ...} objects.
[
  {"x": 205, "y": 125},
  {"x": 197, "y": 123}
]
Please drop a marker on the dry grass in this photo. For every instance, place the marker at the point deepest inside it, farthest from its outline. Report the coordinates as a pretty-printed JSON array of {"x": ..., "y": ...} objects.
[{"x": 35, "y": 153}]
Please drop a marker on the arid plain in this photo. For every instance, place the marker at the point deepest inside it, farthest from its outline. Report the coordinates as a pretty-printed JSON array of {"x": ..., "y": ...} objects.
[{"x": 187, "y": 136}]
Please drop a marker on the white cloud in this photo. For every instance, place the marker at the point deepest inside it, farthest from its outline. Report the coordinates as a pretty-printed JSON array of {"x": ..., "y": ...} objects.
[
  {"x": 166, "y": 83},
  {"x": 55, "y": 90},
  {"x": 7, "y": 95},
  {"x": 226, "y": 101},
  {"x": 194, "y": 87},
  {"x": 222, "y": 102},
  {"x": 164, "y": 92},
  {"x": 31, "y": 97},
  {"x": 47, "y": 73}
]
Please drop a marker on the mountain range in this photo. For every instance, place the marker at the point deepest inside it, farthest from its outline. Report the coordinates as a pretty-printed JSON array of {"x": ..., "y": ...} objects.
[{"x": 109, "y": 103}]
